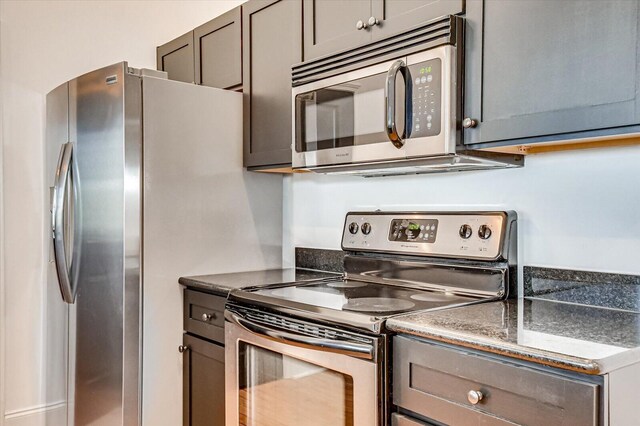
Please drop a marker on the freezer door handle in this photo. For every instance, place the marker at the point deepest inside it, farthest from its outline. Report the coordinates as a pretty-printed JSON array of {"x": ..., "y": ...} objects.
[
  {"x": 357, "y": 350},
  {"x": 60, "y": 189}
]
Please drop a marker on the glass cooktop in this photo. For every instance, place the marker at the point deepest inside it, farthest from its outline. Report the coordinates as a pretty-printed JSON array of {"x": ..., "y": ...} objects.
[{"x": 377, "y": 300}]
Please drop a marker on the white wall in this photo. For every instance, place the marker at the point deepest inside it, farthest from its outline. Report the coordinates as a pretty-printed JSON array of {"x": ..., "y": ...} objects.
[
  {"x": 577, "y": 209},
  {"x": 42, "y": 44}
]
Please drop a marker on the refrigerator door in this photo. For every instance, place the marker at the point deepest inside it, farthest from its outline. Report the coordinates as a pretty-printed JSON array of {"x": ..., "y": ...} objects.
[
  {"x": 105, "y": 344},
  {"x": 57, "y": 311}
]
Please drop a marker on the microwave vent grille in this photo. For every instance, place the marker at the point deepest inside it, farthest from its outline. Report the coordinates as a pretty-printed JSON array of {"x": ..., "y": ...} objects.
[{"x": 438, "y": 32}]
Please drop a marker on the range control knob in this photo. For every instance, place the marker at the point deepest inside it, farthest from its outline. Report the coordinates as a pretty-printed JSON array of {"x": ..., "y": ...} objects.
[
  {"x": 465, "y": 231},
  {"x": 353, "y": 228},
  {"x": 366, "y": 228},
  {"x": 484, "y": 232}
]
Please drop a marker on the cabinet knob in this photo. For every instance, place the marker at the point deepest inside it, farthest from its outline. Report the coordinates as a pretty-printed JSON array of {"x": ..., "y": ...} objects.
[
  {"x": 469, "y": 122},
  {"x": 474, "y": 396},
  {"x": 207, "y": 317},
  {"x": 361, "y": 25},
  {"x": 373, "y": 21},
  {"x": 183, "y": 348}
]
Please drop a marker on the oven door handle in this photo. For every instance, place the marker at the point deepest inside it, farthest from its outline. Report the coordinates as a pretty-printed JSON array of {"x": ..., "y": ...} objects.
[{"x": 358, "y": 350}]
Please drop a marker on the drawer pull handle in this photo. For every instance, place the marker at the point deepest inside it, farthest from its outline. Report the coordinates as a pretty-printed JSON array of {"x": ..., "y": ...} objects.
[
  {"x": 183, "y": 348},
  {"x": 474, "y": 396},
  {"x": 207, "y": 317}
]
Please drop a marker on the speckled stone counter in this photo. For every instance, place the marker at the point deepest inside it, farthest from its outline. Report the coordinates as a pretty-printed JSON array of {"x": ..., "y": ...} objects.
[
  {"x": 580, "y": 338},
  {"x": 222, "y": 284}
]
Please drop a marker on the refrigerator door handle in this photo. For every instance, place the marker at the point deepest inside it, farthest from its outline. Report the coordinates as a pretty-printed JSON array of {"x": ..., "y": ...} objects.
[{"x": 62, "y": 179}]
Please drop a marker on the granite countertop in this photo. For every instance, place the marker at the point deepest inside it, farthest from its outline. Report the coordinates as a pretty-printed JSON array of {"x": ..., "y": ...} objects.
[
  {"x": 222, "y": 284},
  {"x": 582, "y": 338}
]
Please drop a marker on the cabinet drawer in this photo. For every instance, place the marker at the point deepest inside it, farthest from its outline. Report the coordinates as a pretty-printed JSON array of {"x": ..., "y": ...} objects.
[
  {"x": 434, "y": 381},
  {"x": 204, "y": 315}
]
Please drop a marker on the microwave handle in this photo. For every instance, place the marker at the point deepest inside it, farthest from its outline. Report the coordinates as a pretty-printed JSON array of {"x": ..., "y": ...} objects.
[{"x": 390, "y": 116}]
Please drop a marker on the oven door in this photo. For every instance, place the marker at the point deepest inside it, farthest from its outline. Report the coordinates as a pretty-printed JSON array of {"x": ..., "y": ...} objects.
[
  {"x": 276, "y": 377},
  {"x": 399, "y": 109}
]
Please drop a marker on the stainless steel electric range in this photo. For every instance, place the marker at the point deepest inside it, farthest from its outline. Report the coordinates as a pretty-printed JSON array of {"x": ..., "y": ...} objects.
[{"x": 316, "y": 353}]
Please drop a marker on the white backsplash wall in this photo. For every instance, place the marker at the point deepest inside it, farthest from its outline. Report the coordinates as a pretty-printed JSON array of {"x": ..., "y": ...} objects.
[{"x": 577, "y": 209}]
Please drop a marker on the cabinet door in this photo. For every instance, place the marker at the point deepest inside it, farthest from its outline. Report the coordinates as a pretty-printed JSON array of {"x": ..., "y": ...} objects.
[
  {"x": 558, "y": 70},
  {"x": 331, "y": 26},
  {"x": 272, "y": 37},
  {"x": 176, "y": 58},
  {"x": 203, "y": 378},
  {"x": 396, "y": 16},
  {"x": 218, "y": 51}
]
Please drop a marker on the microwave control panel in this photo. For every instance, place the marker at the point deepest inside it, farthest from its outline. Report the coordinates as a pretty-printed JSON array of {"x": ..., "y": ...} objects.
[{"x": 426, "y": 82}]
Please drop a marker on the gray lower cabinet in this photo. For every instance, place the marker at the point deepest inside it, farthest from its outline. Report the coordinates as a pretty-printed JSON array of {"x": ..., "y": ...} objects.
[
  {"x": 272, "y": 43},
  {"x": 176, "y": 58},
  {"x": 331, "y": 27},
  {"x": 218, "y": 51},
  {"x": 203, "y": 382},
  {"x": 538, "y": 71},
  {"x": 457, "y": 387},
  {"x": 203, "y": 362}
]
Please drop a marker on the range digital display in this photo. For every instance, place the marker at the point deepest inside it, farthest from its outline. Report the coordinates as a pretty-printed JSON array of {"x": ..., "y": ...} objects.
[{"x": 413, "y": 230}]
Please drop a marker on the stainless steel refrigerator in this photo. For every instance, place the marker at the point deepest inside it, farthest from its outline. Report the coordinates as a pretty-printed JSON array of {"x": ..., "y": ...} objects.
[{"x": 146, "y": 185}]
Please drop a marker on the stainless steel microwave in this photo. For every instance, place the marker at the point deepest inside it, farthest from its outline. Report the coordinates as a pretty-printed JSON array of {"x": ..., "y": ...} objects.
[{"x": 396, "y": 117}]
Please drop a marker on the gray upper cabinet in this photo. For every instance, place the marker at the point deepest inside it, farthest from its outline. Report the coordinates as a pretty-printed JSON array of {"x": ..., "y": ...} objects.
[
  {"x": 176, "y": 58},
  {"x": 331, "y": 27},
  {"x": 396, "y": 16},
  {"x": 218, "y": 51},
  {"x": 272, "y": 38},
  {"x": 538, "y": 71}
]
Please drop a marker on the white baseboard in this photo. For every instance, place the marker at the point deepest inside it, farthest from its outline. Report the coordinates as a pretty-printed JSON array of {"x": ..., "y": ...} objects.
[{"x": 44, "y": 415}]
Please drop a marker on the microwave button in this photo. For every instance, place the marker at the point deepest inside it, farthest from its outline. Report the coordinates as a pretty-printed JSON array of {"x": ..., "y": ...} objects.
[
  {"x": 423, "y": 79},
  {"x": 417, "y": 80}
]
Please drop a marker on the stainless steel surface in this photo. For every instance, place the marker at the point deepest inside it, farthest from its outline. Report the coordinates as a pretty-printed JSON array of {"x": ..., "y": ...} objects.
[
  {"x": 361, "y": 25},
  {"x": 101, "y": 365},
  {"x": 367, "y": 385},
  {"x": 414, "y": 148},
  {"x": 390, "y": 101},
  {"x": 468, "y": 123},
  {"x": 183, "y": 348},
  {"x": 432, "y": 164},
  {"x": 68, "y": 287},
  {"x": 373, "y": 21},
  {"x": 427, "y": 154},
  {"x": 474, "y": 396},
  {"x": 100, "y": 114},
  {"x": 447, "y": 228},
  {"x": 349, "y": 348}
]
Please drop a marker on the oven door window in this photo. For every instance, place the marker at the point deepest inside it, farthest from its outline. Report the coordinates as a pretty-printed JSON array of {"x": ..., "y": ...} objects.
[
  {"x": 276, "y": 389},
  {"x": 346, "y": 114}
]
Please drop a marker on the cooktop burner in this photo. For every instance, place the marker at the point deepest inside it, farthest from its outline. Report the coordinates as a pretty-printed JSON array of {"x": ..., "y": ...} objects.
[{"x": 377, "y": 304}]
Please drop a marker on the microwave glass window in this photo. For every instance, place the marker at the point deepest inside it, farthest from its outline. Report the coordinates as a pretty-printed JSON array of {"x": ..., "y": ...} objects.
[
  {"x": 347, "y": 114},
  {"x": 276, "y": 389}
]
